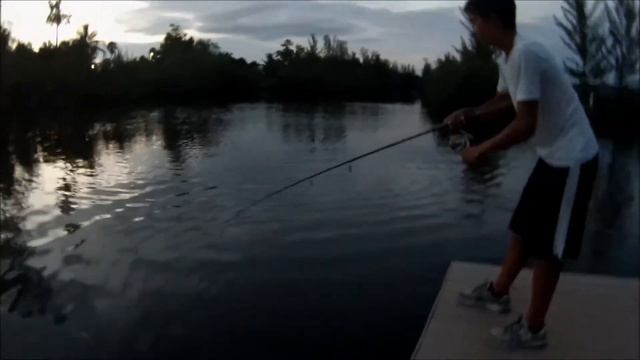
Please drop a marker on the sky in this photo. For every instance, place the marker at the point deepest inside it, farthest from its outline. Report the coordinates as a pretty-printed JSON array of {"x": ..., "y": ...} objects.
[{"x": 403, "y": 31}]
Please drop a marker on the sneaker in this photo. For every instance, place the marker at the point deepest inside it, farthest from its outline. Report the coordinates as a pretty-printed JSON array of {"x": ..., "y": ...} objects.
[
  {"x": 481, "y": 297},
  {"x": 518, "y": 335}
]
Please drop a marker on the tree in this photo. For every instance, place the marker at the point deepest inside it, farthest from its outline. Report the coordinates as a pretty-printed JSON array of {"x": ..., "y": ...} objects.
[
  {"x": 584, "y": 38},
  {"x": 87, "y": 44},
  {"x": 114, "y": 55},
  {"x": 313, "y": 45},
  {"x": 112, "y": 48},
  {"x": 5, "y": 39},
  {"x": 364, "y": 55},
  {"x": 56, "y": 16},
  {"x": 466, "y": 78},
  {"x": 182, "y": 68},
  {"x": 5, "y": 53},
  {"x": 286, "y": 53},
  {"x": 206, "y": 47},
  {"x": 621, "y": 48},
  {"x": 328, "y": 47},
  {"x": 86, "y": 37},
  {"x": 473, "y": 48},
  {"x": 342, "y": 49},
  {"x": 176, "y": 45}
]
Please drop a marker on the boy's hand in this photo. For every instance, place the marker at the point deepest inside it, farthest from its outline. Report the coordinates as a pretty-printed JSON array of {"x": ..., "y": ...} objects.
[
  {"x": 473, "y": 155},
  {"x": 458, "y": 119}
]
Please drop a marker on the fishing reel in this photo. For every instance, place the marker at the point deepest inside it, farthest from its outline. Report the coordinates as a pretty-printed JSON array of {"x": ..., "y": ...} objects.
[{"x": 459, "y": 141}]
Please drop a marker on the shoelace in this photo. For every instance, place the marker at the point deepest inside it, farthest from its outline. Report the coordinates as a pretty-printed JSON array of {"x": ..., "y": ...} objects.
[
  {"x": 514, "y": 326},
  {"x": 481, "y": 287}
]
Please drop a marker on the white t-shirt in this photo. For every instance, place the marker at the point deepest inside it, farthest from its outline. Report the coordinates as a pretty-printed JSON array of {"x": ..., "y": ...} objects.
[{"x": 563, "y": 135}]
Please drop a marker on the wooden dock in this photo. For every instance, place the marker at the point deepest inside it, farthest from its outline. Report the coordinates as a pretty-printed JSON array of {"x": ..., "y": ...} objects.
[{"x": 591, "y": 317}]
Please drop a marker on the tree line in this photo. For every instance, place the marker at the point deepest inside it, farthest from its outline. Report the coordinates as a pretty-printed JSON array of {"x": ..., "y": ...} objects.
[
  {"x": 604, "y": 37},
  {"x": 86, "y": 72}
]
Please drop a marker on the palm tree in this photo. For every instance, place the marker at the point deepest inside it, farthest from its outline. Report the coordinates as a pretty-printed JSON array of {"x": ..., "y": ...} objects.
[
  {"x": 56, "y": 16},
  {"x": 112, "y": 48},
  {"x": 88, "y": 39},
  {"x": 313, "y": 45},
  {"x": 584, "y": 37},
  {"x": 87, "y": 45},
  {"x": 622, "y": 18},
  {"x": 84, "y": 36}
]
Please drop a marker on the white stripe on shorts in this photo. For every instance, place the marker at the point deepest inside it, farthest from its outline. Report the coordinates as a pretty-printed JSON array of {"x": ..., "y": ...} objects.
[{"x": 568, "y": 197}]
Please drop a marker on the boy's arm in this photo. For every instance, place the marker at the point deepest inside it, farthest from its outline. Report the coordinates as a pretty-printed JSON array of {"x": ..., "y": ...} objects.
[
  {"x": 530, "y": 67},
  {"x": 519, "y": 130},
  {"x": 492, "y": 109}
]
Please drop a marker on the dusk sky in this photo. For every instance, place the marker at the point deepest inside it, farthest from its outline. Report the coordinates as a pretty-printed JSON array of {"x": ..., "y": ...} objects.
[{"x": 405, "y": 31}]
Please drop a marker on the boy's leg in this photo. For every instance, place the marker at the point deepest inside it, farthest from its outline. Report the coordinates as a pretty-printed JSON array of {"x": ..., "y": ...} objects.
[
  {"x": 513, "y": 263},
  {"x": 494, "y": 295},
  {"x": 545, "y": 278}
]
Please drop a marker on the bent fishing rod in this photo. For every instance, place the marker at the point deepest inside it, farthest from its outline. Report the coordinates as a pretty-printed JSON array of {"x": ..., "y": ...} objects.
[{"x": 346, "y": 162}]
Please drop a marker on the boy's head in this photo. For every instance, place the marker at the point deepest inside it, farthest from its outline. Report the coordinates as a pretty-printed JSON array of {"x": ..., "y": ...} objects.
[{"x": 491, "y": 18}]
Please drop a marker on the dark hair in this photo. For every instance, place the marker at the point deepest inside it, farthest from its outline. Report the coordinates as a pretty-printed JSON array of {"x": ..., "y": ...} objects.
[{"x": 504, "y": 10}]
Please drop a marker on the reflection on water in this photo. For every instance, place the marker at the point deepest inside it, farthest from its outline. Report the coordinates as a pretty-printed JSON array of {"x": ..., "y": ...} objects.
[{"x": 113, "y": 240}]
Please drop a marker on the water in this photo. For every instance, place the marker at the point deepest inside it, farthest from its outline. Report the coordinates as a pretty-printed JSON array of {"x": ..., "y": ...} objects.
[{"x": 129, "y": 256}]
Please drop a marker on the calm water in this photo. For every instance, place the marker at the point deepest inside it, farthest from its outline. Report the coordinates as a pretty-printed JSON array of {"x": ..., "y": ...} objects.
[{"x": 129, "y": 256}]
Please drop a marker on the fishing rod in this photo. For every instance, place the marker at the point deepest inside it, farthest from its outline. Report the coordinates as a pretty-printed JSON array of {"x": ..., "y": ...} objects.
[{"x": 306, "y": 178}]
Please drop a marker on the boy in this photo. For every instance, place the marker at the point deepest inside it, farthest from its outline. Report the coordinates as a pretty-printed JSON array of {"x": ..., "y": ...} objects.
[{"x": 548, "y": 222}]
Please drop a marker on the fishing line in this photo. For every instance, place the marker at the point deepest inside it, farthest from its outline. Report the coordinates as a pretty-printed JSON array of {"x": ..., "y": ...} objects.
[{"x": 458, "y": 142}]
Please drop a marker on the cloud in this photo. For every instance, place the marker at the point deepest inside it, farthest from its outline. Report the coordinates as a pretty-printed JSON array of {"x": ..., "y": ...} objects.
[
  {"x": 280, "y": 31},
  {"x": 404, "y": 35},
  {"x": 154, "y": 21},
  {"x": 534, "y": 11},
  {"x": 250, "y": 29}
]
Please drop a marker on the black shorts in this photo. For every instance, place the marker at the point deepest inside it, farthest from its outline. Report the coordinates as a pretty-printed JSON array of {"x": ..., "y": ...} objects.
[{"x": 552, "y": 211}]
